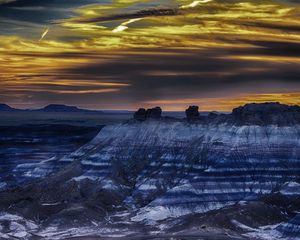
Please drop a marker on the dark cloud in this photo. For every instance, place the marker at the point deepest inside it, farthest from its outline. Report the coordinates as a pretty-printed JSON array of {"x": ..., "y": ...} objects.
[
  {"x": 269, "y": 25},
  {"x": 184, "y": 74},
  {"x": 3, "y": 2},
  {"x": 274, "y": 48},
  {"x": 137, "y": 14},
  {"x": 39, "y": 11},
  {"x": 47, "y": 3},
  {"x": 26, "y": 18}
]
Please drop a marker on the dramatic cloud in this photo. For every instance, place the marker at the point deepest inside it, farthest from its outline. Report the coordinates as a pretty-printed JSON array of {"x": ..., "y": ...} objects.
[
  {"x": 6, "y": 1},
  {"x": 122, "y": 54}
]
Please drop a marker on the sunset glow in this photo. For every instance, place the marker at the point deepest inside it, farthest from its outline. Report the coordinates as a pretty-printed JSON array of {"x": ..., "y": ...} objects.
[{"x": 123, "y": 54}]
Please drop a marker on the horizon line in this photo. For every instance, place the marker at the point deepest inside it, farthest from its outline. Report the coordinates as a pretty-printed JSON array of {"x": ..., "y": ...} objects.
[{"x": 135, "y": 109}]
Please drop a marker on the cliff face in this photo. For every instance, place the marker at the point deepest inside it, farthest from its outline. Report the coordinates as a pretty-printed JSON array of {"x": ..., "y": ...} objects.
[
  {"x": 188, "y": 167},
  {"x": 171, "y": 176},
  {"x": 161, "y": 170}
]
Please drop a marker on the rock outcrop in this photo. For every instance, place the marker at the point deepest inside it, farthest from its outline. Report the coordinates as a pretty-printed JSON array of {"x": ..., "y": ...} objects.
[
  {"x": 259, "y": 114},
  {"x": 140, "y": 114},
  {"x": 192, "y": 113},
  {"x": 152, "y": 113},
  {"x": 270, "y": 113}
]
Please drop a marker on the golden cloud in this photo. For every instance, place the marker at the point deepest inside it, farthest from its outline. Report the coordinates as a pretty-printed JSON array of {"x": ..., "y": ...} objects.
[{"x": 27, "y": 63}]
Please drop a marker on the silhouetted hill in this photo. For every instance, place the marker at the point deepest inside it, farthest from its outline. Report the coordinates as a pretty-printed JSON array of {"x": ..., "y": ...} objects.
[
  {"x": 62, "y": 108},
  {"x": 59, "y": 108},
  {"x": 6, "y": 108}
]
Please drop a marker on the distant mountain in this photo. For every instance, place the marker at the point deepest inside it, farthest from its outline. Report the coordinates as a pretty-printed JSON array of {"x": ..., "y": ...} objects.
[
  {"x": 59, "y": 108},
  {"x": 63, "y": 108},
  {"x": 6, "y": 108}
]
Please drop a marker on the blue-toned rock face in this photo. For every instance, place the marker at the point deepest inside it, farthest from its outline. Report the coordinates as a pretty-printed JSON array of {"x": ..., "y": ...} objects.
[
  {"x": 199, "y": 163},
  {"x": 168, "y": 176},
  {"x": 162, "y": 170},
  {"x": 25, "y": 146}
]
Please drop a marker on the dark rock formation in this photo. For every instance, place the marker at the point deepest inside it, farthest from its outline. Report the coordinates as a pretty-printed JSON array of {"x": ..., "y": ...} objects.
[
  {"x": 266, "y": 114},
  {"x": 142, "y": 114},
  {"x": 192, "y": 113},
  {"x": 154, "y": 112},
  {"x": 261, "y": 114}
]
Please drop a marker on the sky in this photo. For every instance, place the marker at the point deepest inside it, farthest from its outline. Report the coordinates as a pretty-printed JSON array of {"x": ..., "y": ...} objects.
[{"x": 125, "y": 54}]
